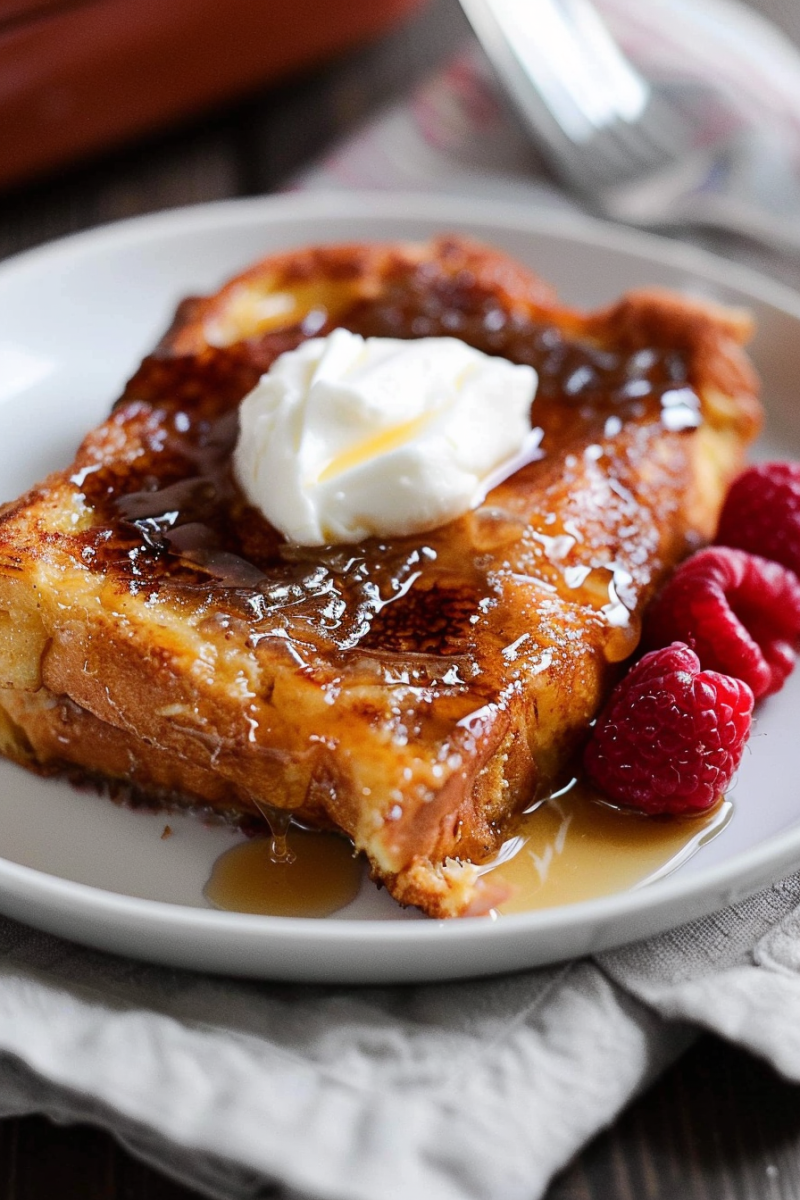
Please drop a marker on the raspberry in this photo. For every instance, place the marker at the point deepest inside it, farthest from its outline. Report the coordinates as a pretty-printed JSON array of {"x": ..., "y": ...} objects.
[
  {"x": 762, "y": 513},
  {"x": 741, "y": 613},
  {"x": 671, "y": 735}
]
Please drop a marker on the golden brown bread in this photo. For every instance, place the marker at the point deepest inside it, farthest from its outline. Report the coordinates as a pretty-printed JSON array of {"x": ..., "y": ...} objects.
[{"x": 415, "y": 693}]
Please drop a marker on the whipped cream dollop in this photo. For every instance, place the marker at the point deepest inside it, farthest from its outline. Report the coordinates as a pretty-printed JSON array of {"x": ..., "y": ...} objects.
[{"x": 346, "y": 438}]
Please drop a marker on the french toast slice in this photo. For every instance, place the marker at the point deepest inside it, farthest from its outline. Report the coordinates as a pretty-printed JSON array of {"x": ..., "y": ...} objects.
[{"x": 415, "y": 692}]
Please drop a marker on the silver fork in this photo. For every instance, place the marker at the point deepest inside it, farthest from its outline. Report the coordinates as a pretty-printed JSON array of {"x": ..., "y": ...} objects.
[
  {"x": 600, "y": 121},
  {"x": 623, "y": 144}
]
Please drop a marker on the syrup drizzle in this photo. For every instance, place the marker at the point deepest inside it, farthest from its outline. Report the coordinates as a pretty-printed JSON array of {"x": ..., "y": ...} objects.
[
  {"x": 278, "y": 822},
  {"x": 173, "y": 523},
  {"x": 316, "y": 875},
  {"x": 574, "y": 846},
  {"x": 569, "y": 847}
]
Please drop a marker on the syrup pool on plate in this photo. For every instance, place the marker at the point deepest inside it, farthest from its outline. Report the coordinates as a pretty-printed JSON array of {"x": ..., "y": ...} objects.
[
  {"x": 304, "y": 873},
  {"x": 572, "y": 846},
  {"x": 569, "y": 847}
]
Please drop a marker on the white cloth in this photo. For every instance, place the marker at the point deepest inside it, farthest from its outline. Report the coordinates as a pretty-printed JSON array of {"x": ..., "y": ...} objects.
[{"x": 465, "y": 1091}]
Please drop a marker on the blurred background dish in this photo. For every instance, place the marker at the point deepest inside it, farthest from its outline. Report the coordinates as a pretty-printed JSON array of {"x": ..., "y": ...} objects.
[{"x": 77, "y": 77}]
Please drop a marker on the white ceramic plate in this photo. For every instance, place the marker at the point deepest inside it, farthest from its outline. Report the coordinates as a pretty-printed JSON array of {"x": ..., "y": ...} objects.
[{"x": 75, "y": 318}]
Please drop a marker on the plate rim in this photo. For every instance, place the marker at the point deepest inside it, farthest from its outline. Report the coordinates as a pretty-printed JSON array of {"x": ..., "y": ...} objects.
[
  {"x": 511, "y": 214},
  {"x": 734, "y": 879}
]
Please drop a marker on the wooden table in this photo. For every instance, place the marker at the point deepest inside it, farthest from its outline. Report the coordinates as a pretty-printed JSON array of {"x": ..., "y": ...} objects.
[{"x": 718, "y": 1126}]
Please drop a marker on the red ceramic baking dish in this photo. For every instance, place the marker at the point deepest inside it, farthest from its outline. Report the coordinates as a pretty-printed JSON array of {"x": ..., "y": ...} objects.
[{"x": 77, "y": 75}]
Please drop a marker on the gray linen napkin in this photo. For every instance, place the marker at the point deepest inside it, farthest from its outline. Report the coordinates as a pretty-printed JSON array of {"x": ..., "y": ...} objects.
[
  {"x": 466, "y": 1091},
  {"x": 478, "y": 1090}
]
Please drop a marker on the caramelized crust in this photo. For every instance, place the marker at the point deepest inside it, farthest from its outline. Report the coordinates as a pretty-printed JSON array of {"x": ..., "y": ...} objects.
[{"x": 414, "y": 692}]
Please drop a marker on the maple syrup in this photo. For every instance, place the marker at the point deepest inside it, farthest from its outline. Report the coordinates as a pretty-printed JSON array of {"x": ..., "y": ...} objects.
[
  {"x": 316, "y": 875},
  {"x": 570, "y": 847},
  {"x": 574, "y": 846},
  {"x": 171, "y": 519}
]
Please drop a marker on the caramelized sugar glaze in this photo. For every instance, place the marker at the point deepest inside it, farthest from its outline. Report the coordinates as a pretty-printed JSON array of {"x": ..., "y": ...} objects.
[{"x": 415, "y": 692}]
